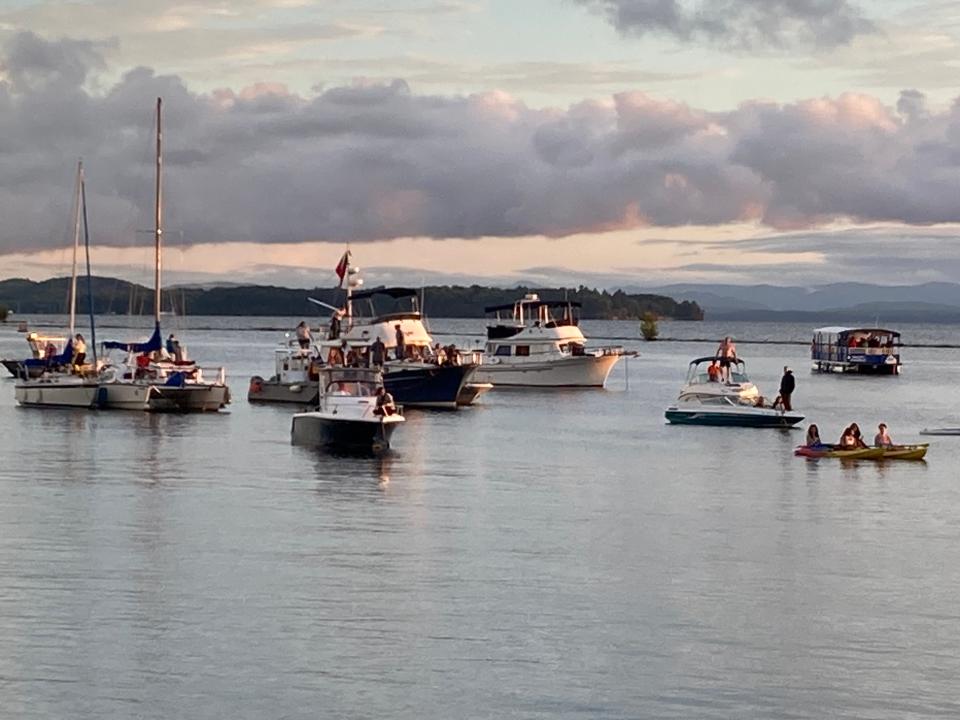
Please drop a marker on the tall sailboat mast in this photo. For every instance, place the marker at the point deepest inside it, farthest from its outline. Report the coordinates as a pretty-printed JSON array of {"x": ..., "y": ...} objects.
[
  {"x": 158, "y": 232},
  {"x": 76, "y": 247}
]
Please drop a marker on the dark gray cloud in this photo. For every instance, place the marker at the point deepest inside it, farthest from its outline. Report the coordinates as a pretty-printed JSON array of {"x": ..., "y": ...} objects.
[
  {"x": 376, "y": 161},
  {"x": 739, "y": 23}
]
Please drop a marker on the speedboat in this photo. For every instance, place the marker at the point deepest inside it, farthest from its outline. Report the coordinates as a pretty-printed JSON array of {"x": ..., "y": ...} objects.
[
  {"x": 728, "y": 411},
  {"x": 294, "y": 379},
  {"x": 530, "y": 348},
  {"x": 700, "y": 386},
  {"x": 346, "y": 417}
]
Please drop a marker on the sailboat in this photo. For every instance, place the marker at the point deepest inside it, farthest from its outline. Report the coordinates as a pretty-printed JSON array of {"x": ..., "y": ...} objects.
[
  {"x": 65, "y": 379},
  {"x": 149, "y": 379}
]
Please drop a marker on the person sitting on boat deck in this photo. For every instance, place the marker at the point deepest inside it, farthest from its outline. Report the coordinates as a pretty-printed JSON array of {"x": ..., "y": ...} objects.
[
  {"x": 79, "y": 351},
  {"x": 439, "y": 356},
  {"x": 787, "y": 385},
  {"x": 453, "y": 354},
  {"x": 335, "y": 357},
  {"x": 378, "y": 352},
  {"x": 352, "y": 358},
  {"x": 401, "y": 342},
  {"x": 303, "y": 335},
  {"x": 385, "y": 405},
  {"x": 334, "y": 332},
  {"x": 713, "y": 372},
  {"x": 726, "y": 354},
  {"x": 882, "y": 438},
  {"x": 813, "y": 437},
  {"x": 49, "y": 352},
  {"x": 173, "y": 347},
  {"x": 847, "y": 440}
]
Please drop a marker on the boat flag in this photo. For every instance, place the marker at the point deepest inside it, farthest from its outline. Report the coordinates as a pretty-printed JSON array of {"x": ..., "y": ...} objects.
[{"x": 342, "y": 266}]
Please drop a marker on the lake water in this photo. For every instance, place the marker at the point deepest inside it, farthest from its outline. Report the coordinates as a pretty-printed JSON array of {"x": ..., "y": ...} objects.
[{"x": 541, "y": 555}]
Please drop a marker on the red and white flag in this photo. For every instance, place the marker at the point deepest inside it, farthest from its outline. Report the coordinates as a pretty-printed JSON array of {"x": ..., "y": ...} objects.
[{"x": 342, "y": 266}]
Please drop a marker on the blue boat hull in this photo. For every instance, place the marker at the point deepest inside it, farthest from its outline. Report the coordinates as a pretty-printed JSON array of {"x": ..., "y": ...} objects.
[
  {"x": 688, "y": 417},
  {"x": 431, "y": 386}
]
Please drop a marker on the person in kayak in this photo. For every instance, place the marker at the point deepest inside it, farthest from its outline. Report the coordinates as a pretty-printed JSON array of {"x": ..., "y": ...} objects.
[
  {"x": 847, "y": 440},
  {"x": 882, "y": 438},
  {"x": 855, "y": 429},
  {"x": 813, "y": 437}
]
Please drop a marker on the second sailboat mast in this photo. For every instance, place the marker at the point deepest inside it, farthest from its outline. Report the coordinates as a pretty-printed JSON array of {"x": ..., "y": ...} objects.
[{"x": 158, "y": 232}]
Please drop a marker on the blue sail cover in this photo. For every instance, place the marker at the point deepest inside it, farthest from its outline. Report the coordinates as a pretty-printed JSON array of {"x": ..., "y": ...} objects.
[
  {"x": 152, "y": 345},
  {"x": 63, "y": 358}
]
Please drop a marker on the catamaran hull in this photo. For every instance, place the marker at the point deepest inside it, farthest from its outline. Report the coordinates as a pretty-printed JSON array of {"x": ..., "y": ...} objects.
[
  {"x": 430, "y": 386},
  {"x": 79, "y": 395},
  {"x": 731, "y": 419},
  {"x": 273, "y": 391},
  {"x": 163, "y": 398},
  {"x": 315, "y": 430},
  {"x": 576, "y": 371}
]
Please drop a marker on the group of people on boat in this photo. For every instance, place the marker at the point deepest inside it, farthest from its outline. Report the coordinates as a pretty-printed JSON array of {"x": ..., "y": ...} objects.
[{"x": 851, "y": 438}]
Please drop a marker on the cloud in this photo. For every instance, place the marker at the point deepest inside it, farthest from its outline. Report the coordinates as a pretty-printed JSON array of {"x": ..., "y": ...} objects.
[
  {"x": 739, "y": 23},
  {"x": 375, "y": 161}
]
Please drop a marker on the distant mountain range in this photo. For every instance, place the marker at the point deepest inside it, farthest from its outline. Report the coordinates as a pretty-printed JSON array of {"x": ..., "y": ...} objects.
[{"x": 841, "y": 303}]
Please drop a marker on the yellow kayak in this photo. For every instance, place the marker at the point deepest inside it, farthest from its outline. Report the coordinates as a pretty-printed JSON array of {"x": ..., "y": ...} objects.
[
  {"x": 832, "y": 451},
  {"x": 905, "y": 452}
]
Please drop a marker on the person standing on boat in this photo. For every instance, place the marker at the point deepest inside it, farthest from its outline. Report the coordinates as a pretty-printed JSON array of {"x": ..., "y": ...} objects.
[
  {"x": 79, "y": 351},
  {"x": 883, "y": 438},
  {"x": 303, "y": 335},
  {"x": 788, "y": 384},
  {"x": 334, "y": 326},
  {"x": 174, "y": 349},
  {"x": 378, "y": 352},
  {"x": 401, "y": 342},
  {"x": 726, "y": 354}
]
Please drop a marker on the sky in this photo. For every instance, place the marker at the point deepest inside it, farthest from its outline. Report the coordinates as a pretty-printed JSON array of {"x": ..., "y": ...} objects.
[{"x": 610, "y": 142}]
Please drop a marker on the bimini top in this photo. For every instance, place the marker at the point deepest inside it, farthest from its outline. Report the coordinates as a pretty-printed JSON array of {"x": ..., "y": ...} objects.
[
  {"x": 396, "y": 293},
  {"x": 533, "y": 304},
  {"x": 845, "y": 330}
]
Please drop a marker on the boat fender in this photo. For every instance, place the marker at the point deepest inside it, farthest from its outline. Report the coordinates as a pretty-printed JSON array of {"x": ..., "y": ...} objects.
[
  {"x": 256, "y": 384},
  {"x": 296, "y": 388}
]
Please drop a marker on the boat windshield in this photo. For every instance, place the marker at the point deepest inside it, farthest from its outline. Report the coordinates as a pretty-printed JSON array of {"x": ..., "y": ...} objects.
[
  {"x": 348, "y": 388},
  {"x": 699, "y": 372}
]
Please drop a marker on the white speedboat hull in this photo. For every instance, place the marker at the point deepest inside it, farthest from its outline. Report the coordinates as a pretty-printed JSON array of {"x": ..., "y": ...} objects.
[
  {"x": 571, "y": 371},
  {"x": 327, "y": 430},
  {"x": 58, "y": 393},
  {"x": 199, "y": 397},
  {"x": 690, "y": 414}
]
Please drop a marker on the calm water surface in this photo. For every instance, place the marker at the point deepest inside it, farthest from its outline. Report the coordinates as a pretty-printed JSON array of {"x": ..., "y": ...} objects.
[{"x": 542, "y": 555}]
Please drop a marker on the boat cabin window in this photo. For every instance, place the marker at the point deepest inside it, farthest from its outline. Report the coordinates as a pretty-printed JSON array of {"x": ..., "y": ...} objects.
[
  {"x": 502, "y": 351},
  {"x": 351, "y": 389},
  {"x": 523, "y": 351}
]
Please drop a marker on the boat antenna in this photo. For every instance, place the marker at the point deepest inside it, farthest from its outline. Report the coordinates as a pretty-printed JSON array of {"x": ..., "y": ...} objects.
[
  {"x": 86, "y": 245},
  {"x": 158, "y": 217}
]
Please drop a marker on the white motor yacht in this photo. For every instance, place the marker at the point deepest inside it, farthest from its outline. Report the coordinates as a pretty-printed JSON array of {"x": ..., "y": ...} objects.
[
  {"x": 346, "y": 417},
  {"x": 530, "y": 348},
  {"x": 294, "y": 379},
  {"x": 700, "y": 386}
]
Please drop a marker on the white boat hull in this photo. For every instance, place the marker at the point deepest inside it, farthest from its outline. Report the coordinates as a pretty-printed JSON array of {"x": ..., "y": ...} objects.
[
  {"x": 57, "y": 394},
  {"x": 162, "y": 398},
  {"x": 320, "y": 429},
  {"x": 575, "y": 371}
]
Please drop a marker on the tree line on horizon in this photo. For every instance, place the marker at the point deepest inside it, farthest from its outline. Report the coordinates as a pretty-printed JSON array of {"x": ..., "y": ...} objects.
[{"x": 120, "y": 297}]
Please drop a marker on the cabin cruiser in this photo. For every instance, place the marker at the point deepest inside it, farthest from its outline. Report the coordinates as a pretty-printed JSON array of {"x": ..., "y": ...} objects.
[
  {"x": 294, "y": 379},
  {"x": 529, "y": 348},
  {"x": 347, "y": 417},
  {"x": 700, "y": 386},
  {"x": 729, "y": 411}
]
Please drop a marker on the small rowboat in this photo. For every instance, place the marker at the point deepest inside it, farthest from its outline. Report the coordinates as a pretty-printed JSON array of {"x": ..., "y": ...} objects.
[
  {"x": 905, "y": 452},
  {"x": 831, "y": 451}
]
